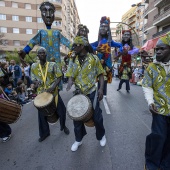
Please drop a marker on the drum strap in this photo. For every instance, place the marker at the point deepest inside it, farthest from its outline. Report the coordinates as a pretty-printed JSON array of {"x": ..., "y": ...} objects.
[{"x": 44, "y": 76}]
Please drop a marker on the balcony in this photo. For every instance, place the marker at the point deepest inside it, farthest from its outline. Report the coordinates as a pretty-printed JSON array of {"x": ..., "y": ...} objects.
[
  {"x": 158, "y": 34},
  {"x": 130, "y": 21},
  {"x": 146, "y": 13},
  {"x": 163, "y": 18},
  {"x": 56, "y": 3},
  {"x": 157, "y": 3}
]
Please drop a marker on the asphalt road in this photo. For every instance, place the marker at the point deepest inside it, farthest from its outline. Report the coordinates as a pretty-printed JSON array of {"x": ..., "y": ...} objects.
[{"x": 126, "y": 130}]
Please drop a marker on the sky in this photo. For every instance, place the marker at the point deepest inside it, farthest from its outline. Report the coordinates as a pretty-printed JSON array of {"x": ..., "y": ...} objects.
[{"x": 91, "y": 11}]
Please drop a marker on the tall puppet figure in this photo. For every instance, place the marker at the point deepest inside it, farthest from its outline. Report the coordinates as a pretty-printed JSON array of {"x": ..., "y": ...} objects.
[
  {"x": 49, "y": 38},
  {"x": 103, "y": 47},
  {"x": 128, "y": 50}
]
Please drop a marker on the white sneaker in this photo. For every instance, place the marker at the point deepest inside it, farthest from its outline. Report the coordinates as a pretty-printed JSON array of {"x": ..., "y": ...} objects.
[
  {"x": 75, "y": 146},
  {"x": 103, "y": 141},
  {"x": 6, "y": 139}
]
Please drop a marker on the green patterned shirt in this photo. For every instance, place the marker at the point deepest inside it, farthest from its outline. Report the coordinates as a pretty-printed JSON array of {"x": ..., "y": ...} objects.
[
  {"x": 156, "y": 78},
  {"x": 53, "y": 73},
  {"x": 85, "y": 75},
  {"x": 125, "y": 73}
]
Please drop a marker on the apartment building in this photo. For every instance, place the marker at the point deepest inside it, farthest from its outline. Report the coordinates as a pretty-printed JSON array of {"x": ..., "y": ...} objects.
[
  {"x": 21, "y": 20},
  {"x": 141, "y": 22},
  {"x": 158, "y": 18}
]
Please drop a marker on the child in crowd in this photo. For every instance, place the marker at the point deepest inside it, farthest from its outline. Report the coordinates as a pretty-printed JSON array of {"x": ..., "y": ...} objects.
[
  {"x": 8, "y": 89},
  {"x": 21, "y": 93}
]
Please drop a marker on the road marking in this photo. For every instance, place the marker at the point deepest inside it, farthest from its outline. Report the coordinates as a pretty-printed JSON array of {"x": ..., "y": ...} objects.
[{"x": 106, "y": 106}]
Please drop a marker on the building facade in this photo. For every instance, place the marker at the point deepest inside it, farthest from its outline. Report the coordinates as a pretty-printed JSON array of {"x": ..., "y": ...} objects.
[
  {"x": 21, "y": 20},
  {"x": 158, "y": 18}
]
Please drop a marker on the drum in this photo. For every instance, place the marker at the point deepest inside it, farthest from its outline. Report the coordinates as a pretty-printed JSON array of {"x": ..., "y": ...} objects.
[
  {"x": 79, "y": 108},
  {"x": 10, "y": 111},
  {"x": 46, "y": 104}
]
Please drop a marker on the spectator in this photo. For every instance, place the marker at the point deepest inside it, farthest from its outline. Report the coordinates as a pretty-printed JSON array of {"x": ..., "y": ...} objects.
[
  {"x": 27, "y": 75},
  {"x": 8, "y": 89},
  {"x": 16, "y": 70},
  {"x": 7, "y": 78},
  {"x": 22, "y": 99}
]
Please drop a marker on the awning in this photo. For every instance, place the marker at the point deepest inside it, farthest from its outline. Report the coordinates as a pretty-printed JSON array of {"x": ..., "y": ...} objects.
[{"x": 150, "y": 44}]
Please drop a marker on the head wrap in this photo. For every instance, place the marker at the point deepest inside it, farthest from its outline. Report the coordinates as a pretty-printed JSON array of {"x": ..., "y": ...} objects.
[
  {"x": 47, "y": 3},
  {"x": 165, "y": 39},
  {"x": 42, "y": 48},
  {"x": 105, "y": 20},
  {"x": 84, "y": 27},
  {"x": 81, "y": 40}
]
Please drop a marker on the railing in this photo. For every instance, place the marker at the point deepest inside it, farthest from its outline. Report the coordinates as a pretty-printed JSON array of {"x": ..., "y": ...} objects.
[
  {"x": 156, "y": 1},
  {"x": 162, "y": 15},
  {"x": 59, "y": 1},
  {"x": 161, "y": 33}
]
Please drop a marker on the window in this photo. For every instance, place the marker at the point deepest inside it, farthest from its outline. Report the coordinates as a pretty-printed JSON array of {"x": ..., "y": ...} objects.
[
  {"x": 28, "y": 31},
  {"x": 39, "y": 20},
  {"x": 16, "y": 43},
  {"x": 14, "y": 5},
  {"x": 2, "y": 3},
  {"x": 38, "y": 7},
  {"x": 28, "y": 19},
  {"x": 2, "y": 17},
  {"x": 27, "y": 6},
  {"x": 15, "y": 18},
  {"x": 16, "y": 30},
  {"x": 3, "y": 29}
]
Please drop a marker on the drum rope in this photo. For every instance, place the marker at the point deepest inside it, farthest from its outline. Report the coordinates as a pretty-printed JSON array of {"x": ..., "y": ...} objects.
[{"x": 44, "y": 76}]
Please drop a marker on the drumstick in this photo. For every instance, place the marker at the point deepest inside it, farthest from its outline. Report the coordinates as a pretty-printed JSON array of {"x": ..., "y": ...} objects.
[{"x": 4, "y": 94}]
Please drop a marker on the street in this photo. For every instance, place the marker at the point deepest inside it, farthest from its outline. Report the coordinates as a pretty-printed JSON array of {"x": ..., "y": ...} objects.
[{"x": 126, "y": 127}]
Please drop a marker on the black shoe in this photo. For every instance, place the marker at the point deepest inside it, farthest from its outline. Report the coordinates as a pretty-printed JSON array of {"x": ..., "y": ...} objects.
[
  {"x": 118, "y": 89},
  {"x": 127, "y": 91},
  {"x": 43, "y": 138},
  {"x": 66, "y": 130}
]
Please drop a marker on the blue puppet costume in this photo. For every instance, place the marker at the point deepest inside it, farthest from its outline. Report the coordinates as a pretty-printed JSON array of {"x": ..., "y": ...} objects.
[
  {"x": 48, "y": 38},
  {"x": 103, "y": 48}
]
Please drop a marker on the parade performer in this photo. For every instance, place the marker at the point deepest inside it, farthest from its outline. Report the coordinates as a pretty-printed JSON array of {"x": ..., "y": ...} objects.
[
  {"x": 103, "y": 46},
  {"x": 48, "y": 75},
  {"x": 124, "y": 77},
  {"x": 156, "y": 89},
  {"x": 128, "y": 49},
  {"x": 49, "y": 39},
  {"x": 86, "y": 69}
]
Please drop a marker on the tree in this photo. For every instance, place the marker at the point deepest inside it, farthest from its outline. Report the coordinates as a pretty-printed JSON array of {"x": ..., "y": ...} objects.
[{"x": 14, "y": 56}]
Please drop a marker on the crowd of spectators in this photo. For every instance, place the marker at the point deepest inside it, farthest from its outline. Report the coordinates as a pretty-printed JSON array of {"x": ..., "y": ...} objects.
[{"x": 15, "y": 82}]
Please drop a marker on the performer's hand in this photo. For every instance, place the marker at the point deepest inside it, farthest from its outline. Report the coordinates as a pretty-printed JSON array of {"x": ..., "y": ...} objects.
[
  {"x": 21, "y": 54},
  {"x": 153, "y": 109},
  {"x": 99, "y": 49},
  {"x": 100, "y": 94},
  {"x": 70, "y": 83},
  {"x": 50, "y": 90}
]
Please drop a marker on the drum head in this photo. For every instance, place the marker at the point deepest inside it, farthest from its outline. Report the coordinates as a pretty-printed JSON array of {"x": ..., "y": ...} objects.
[
  {"x": 43, "y": 99},
  {"x": 77, "y": 106}
]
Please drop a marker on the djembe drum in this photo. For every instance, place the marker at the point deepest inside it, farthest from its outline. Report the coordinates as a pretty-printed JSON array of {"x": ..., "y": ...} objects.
[
  {"x": 10, "y": 111},
  {"x": 79, "y": 108},
  {"x": 46, "y": 104}
]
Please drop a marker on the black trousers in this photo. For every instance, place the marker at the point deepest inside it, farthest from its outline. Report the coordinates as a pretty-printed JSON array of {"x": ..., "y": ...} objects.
[
  {"x": 5, "y": 130},
  {"x": 42, "y": 120},
  {"x": 104, "y": 87},
  {"x": 124, "y": 81},
  {"x": 79, "y": 127},
  {"x": 157, "y": 152}
]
